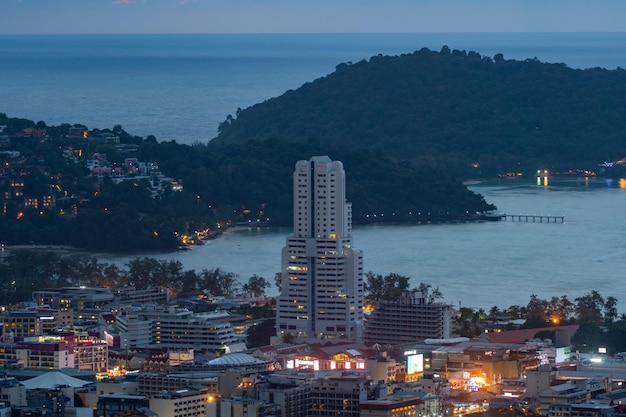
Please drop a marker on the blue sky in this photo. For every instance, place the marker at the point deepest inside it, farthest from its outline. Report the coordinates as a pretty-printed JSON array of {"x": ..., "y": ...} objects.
[{"x": 312, "y": 16}]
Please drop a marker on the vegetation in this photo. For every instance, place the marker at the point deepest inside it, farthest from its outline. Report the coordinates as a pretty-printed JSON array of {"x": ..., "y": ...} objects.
[
  {"x": 221, "y": 186},
  {"x": 24, "y": 271},
  {"x": 392, "y": 286},
  {"x": 597, "y": 317},
  {"x": 468, "y": 114}
]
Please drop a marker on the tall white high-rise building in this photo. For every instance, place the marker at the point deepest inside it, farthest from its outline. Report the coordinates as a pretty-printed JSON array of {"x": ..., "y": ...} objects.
[{"x": 322, "y": 275}]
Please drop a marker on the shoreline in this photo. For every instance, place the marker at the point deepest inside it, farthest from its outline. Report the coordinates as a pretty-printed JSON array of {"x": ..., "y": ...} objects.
[{"x": 55, "y": 248}]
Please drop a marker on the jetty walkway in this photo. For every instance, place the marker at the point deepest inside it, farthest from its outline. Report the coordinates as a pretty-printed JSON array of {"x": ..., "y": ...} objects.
[{"x": 535, "y": 218}]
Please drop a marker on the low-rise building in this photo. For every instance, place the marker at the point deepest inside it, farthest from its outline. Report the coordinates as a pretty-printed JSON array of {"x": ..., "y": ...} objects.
[
  {"x": 152, "y": 384},
  {"x": 587, "y": 409},
  {"x": 189, "y": 401},
  {"x": 12, "y": 391},
  {"x": 44, "y": 355},
  {"x": 290, "y": 394},
  {"x": 570, "y": 392},
  {"x": 243, "y": 407},
  {"x": 114, "y": 405},
  {"x": 77, "y": 298},
  {"x": 56, "y": 352},
  {"x": 400, "y": 404},
  {"x": 339, "y": 394},
  {"x": 409, "y": 319},
  {"x": 33, "y": 321}
]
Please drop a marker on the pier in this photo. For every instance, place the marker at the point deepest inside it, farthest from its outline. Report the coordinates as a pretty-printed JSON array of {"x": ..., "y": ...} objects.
[{"x": 534, "y": 218}]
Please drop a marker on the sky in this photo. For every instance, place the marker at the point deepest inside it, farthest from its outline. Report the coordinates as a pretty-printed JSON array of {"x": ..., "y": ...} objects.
[{"x": 309, "y": 16}]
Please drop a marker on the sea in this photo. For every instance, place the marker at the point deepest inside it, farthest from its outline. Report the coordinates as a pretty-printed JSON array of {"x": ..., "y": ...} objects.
[
  {"x": 474, "y": 264},
  {"x": 180, "y": 87}
]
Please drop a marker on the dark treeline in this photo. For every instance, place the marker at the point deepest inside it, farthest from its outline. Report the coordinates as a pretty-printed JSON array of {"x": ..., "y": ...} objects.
[
  {"x": 24, "y": 271},
  {"x": 222, "y": 185},
  {"x": 466, "y": 113}
]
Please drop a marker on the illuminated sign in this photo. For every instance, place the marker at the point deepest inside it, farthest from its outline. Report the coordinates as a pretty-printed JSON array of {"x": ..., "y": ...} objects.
[
  {"x": 315, "y": 364},
  {"x": 414, "y": 364}
]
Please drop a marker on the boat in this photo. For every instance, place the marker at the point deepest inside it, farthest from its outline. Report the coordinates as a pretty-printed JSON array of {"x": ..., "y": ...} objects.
[{"x": 491, "y": 215}]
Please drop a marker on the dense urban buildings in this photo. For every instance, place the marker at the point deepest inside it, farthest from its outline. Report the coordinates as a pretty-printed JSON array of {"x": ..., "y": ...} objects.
[
  {"x": 156, "y": 352},
  {"x": 322, "y": 274}
]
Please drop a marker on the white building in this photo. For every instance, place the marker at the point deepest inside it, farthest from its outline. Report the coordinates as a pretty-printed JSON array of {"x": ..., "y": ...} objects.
[
  {"x": 134, "y": 330},
  {"x": 210, "y": 331},
  {"x": 175, "y": 327},
  {"x": 322, "y": 275}
]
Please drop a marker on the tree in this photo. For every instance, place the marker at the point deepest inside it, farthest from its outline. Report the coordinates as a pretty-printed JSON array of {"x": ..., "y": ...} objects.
[
  {"x": 82, "y": 270},
  {"x": 149, "y": 273},
  {"x": 589, "y": 308},
  {"x": 536, "y": 311},
  {"x": 256, "y": 285},
  {"x": 188, "y": 282},
  {"x": 217, "y": 282},
  {"x": 494, "y": 312},
  {"x": 25, "y": 271},
  {"x": 112, "y": 276},
  {"x": 278, "y": 277},
  {"x": 140, "y": 272},
  {"x": 610, "y": 310},
  {"x": 515, "y": 311},
  {"x": 467, "y": 322},
  {"x": 388, "y": 287},
  {"x": 430, "y": 294},
  {"x": 616, "y": 336},
  {"x": 589, "y": 337}
]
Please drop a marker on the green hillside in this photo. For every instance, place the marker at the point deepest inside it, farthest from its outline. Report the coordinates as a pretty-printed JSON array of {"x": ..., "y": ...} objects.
[
  {"x": 462, "y": 112},
  {"x": 48, "y": 195}
]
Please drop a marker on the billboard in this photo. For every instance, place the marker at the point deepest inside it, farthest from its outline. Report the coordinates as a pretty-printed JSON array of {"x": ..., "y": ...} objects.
[{"x": 414, "y": 364}]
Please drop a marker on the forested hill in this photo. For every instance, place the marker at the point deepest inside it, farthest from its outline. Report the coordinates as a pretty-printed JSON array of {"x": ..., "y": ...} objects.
[
  {"x": 88, "y": 191},
  {"x": 454, "y": 109}
]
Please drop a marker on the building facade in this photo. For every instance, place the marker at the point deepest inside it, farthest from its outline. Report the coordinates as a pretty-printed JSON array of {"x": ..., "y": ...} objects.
[
  {"x": 291, "y": 395},
  {"x": 322, "y": 274},
  {"x": 338, "y": 396},
  {"x": 182, "y": 402},
  {"x": 409, "y": 319}
]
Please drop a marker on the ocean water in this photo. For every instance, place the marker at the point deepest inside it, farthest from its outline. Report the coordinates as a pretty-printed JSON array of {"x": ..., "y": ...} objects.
[
  {"x": 477, "y": 265},
  {"x": 180, "y": 87}
]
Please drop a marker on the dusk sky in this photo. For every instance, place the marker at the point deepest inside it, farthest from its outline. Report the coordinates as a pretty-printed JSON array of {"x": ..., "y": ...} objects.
[{"x": 311, "y": 16}]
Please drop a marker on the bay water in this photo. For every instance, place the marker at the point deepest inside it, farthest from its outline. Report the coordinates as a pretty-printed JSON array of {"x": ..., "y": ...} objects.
[{"x": 478, "y": 264}]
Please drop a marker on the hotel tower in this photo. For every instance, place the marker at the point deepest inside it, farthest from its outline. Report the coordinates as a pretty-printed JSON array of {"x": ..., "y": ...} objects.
[{"x": 322, "y": 275}]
